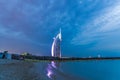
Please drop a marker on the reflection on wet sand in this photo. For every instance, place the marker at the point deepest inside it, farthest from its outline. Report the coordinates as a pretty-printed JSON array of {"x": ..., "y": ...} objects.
[{"x": 54, "y": 72}]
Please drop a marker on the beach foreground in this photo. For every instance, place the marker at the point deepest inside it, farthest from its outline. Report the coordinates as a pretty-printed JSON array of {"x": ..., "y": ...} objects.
[{"x": 17, "y": 70}]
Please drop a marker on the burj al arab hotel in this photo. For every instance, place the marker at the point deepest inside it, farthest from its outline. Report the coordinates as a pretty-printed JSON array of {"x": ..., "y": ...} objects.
[{"x": 56, "y": 45}]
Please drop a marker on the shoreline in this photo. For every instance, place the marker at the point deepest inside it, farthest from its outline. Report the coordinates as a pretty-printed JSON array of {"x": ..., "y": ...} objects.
[{"x": 70, "y": 59}]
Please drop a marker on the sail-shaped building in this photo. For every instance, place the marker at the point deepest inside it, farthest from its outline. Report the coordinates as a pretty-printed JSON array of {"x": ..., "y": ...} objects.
[{"x": 56, "y": 45}]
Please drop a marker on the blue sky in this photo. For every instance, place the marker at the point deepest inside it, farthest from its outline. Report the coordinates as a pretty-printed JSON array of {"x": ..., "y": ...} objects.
[{"x": 89, "y": 27}]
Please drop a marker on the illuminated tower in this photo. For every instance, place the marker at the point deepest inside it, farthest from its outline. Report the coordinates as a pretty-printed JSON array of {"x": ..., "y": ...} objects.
[{"x": 56, "y": 46}]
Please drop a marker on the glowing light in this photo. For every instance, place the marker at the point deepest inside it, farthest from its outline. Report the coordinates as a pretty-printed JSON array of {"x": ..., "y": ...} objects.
[{"x": 55, "y": 50}]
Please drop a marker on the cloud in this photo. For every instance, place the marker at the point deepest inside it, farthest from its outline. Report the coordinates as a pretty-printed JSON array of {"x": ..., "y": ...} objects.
[
  {"x": 7, "y": 32},
  {"x": 35, "y": 22},
  {"x": 102, "y": 29},
  {"x": 29, "y": 25}
]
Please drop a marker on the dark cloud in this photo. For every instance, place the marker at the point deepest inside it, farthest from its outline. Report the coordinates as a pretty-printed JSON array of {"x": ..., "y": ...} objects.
[{"x": 30, "y": 25}]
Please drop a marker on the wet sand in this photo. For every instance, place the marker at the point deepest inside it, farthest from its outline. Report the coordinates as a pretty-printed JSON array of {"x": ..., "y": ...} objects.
[{"x": 17, "y": 70}]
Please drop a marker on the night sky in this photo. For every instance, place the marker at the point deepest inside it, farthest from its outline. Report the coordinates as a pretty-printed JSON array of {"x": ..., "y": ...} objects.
[{"x": 89, "y": 27}]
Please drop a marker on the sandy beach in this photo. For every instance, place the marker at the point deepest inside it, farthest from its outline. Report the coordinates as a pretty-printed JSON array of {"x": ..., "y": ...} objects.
[{"x": 17, "y": 70}]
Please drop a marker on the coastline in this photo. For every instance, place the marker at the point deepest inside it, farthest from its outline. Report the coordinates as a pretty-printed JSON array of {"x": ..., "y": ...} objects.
[{"x": 46, "y": 58}]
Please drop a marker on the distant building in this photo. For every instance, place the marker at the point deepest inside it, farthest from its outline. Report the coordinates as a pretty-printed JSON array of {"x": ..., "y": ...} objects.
[
  {"x": 5, "y": 55},
  {"x": 26, "y": 54},
  {"x": 1, "y": 55},
  {"x": 56, "y": 46},
  {"x": 90, "y": 56},
  {"x": 99, "y": 56}
]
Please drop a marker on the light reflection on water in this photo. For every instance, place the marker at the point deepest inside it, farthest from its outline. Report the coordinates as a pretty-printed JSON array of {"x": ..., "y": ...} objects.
[
  {"x": 54, "y": 72},
  {"x": 79, "y": 70},
  {"x": 52, "y": 67}
]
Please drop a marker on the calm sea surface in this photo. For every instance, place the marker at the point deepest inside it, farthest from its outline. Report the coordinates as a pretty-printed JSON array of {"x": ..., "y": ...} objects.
[{"x": 79, "y": 70}]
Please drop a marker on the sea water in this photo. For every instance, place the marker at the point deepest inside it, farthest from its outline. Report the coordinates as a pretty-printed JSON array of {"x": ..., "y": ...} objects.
[{"x": 79, "y": 70}]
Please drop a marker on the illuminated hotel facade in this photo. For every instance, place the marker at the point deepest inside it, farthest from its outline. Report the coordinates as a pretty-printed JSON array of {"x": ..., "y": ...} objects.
[{"x": 56, "y": 45}]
